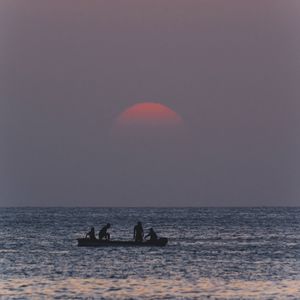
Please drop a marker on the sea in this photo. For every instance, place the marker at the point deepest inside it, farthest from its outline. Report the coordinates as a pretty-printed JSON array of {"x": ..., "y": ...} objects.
[{"x": 213, "y": 253}]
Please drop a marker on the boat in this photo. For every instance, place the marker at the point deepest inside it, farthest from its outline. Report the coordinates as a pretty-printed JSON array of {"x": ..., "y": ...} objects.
[{"x": 86, "y": 242}]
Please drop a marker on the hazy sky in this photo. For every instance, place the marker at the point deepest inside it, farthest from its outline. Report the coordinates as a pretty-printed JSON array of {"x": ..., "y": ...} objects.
[{"x": 230, "y": 69}]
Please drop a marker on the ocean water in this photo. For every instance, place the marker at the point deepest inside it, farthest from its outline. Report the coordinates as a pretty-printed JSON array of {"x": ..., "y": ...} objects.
[{"x": 213, "y": 253}]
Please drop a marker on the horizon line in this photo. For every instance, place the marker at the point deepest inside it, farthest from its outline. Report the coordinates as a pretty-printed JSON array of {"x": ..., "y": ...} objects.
[{"x": 231, "y": 206}]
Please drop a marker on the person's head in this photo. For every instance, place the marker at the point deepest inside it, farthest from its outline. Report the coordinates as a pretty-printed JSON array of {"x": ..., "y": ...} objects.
[
  {"x": 151, "y": 230},
  {"x": 92, "y": 228},
  {"x": 139, "y": 223},
  {"x": 108, "y": 225}
]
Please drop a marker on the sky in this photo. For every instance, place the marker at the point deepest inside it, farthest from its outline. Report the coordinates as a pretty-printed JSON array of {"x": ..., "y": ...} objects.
[{"x": 230, "y": 69}]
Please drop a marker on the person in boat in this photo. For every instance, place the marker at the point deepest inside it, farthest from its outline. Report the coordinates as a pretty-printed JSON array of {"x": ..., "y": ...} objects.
[
  {"x": 152, "y": 234},
  {"x": 91, "y": 234},
  {"x": 138, "y": 232},
  {"x": 103, "y": 234}
]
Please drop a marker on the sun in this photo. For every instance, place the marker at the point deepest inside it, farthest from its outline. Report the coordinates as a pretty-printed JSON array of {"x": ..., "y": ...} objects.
[{"x": 149, "y": 114}]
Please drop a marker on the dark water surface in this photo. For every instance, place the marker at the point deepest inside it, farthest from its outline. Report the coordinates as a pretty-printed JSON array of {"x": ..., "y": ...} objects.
[{"x": 213, "y": 253}]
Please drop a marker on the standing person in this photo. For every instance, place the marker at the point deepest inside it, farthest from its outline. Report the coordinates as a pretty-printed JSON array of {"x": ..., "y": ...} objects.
[
  {"x": 103, "y": 232},
  {"x": 91, "y": 234},
  {"x": 138, "y": 233}
]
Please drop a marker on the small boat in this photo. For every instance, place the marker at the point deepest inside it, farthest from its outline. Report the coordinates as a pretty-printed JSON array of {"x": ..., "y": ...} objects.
[{"x": 85, "y": 242}]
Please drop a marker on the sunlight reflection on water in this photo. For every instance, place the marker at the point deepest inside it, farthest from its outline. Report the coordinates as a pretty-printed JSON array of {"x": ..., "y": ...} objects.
[{"x": 148, "y": 288}]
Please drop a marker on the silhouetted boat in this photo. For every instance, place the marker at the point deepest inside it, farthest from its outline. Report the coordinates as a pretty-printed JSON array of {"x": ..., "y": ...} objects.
[{"x": 84, "y": 242}]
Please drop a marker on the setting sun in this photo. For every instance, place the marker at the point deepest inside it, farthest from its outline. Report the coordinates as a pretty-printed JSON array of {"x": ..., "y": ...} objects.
[{"x": 149, "y": 114}]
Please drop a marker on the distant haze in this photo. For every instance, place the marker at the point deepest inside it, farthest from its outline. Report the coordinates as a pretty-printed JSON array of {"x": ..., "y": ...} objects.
[{"x": 230, "y": 69}]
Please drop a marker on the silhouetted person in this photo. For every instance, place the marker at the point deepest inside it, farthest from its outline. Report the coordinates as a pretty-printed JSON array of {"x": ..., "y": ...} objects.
[
  {"x": 138, "y": 233},
  {"x": 152, "y": 234},
  {"x": 91, "y": 234},
  {"x": 103, "y": 232}
]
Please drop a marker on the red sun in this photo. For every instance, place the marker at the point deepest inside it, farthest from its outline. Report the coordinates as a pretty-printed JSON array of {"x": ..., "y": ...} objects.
[{"x": 149, "y": 114}]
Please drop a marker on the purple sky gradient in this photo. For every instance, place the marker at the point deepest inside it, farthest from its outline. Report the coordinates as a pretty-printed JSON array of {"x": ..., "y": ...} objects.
[{"x": 231, "y": 69}]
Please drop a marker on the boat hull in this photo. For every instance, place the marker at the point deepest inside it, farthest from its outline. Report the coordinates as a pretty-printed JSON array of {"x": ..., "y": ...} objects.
[{"x": 84, "y": 242}]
